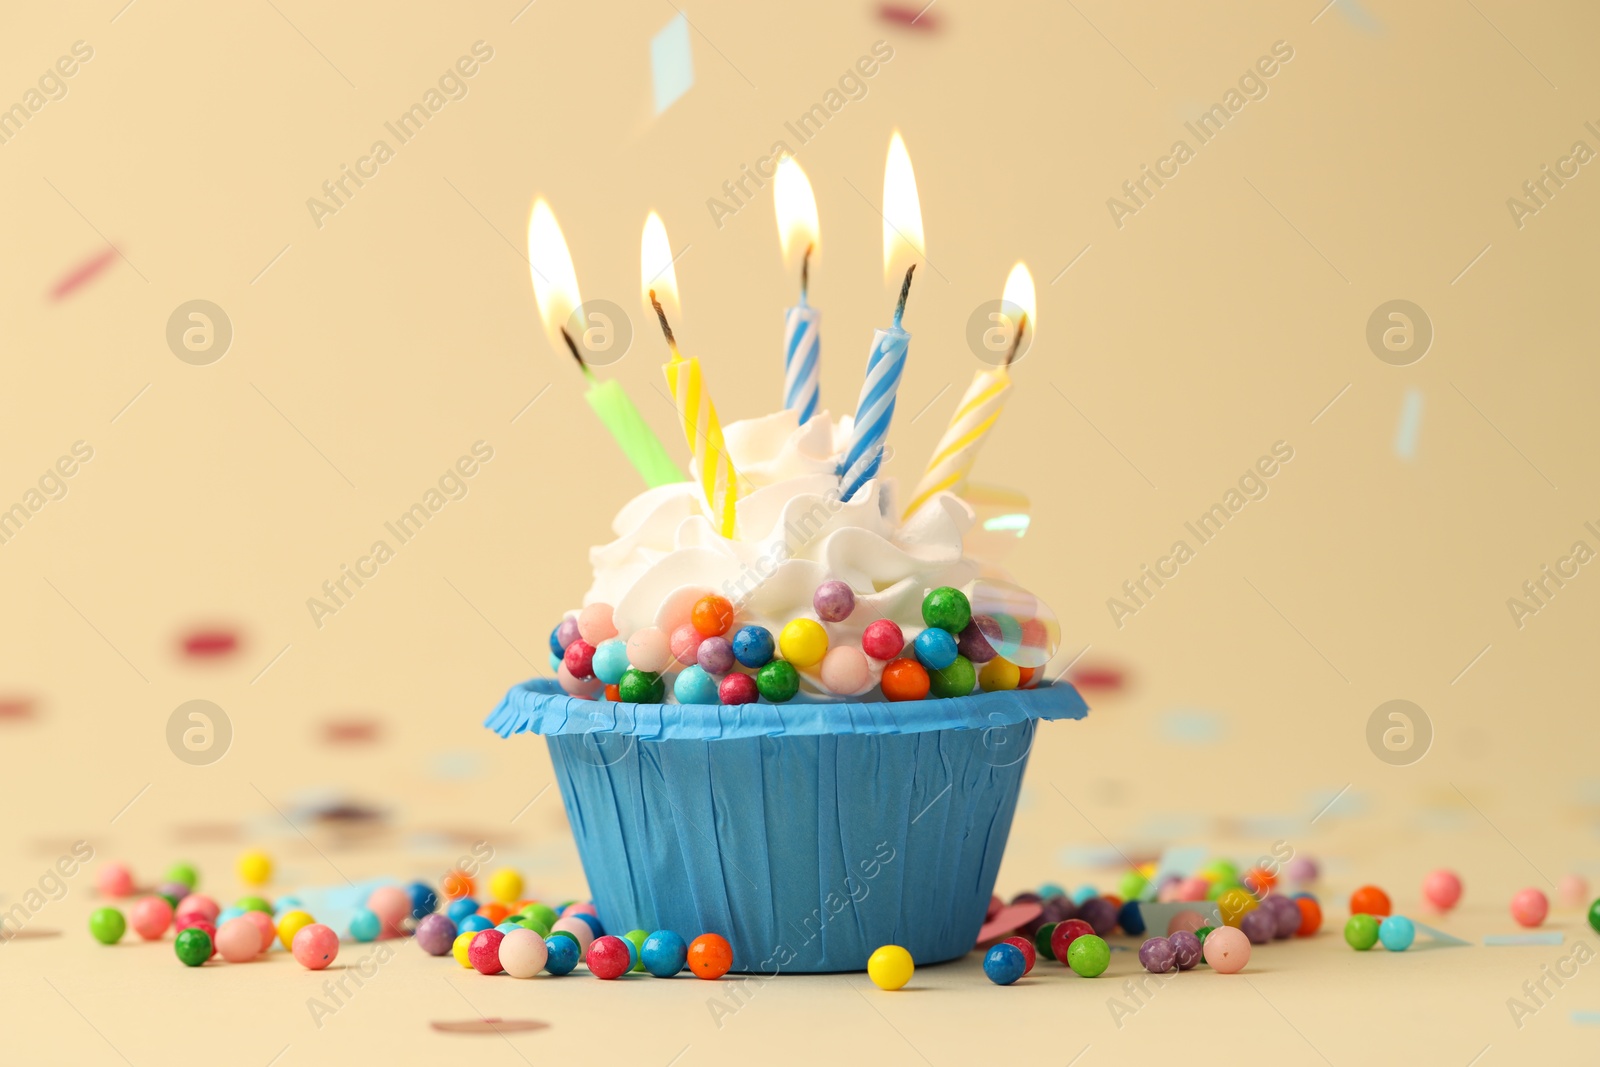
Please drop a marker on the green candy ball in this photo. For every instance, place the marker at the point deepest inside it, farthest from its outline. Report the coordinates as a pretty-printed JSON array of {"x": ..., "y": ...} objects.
[
  {"x": 541, "y": 913},
  {"x": 1219, "y": 888},
  {"x": 529, "y": 923},
  {"x": 193, "y": 946},
  {"x": 1361, "y": 932},
  {"x": 568, "y": 934},
  {"x": 1132, "y": 884},
  {"x": 1594, "y": 915},
  {"x": 1203, "y": 932},
  {"x": 1041, "y": 941},
  {"x": 1089, "y": 955},
  {"x": 955, "y": 680},
  {"x": 778, "y": 681},
  {"x": 947, "y": 608},
  {"x": 185, "y": 873},
  {"x": 1220, "y": 871},
  {"x": 253, "y": 904},
  {"x": 641, "y": 687},
  {"x": 107, "y": 925},
  {"x": 638, "y": 938}
]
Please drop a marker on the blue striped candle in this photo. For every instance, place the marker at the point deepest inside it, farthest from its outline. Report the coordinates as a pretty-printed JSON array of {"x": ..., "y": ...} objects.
[
  {"x": 802, "y": 359},
  {"x": 875, "y": 408}
]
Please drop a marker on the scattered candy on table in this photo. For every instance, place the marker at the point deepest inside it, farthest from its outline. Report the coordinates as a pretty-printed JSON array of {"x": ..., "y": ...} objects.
[
  {"x": 365, "y": 925},
  {"x": 1397, "y": 932},
  {"x": 107, "y": 925},
  {"x": 1442, "y": 889},
  {"x": 1370, "y": 900},
  {"x": 254, "y": 867},
  {"x": 292, "y": 923},
  {"x": 1361, "y": 932},
  {"x": 710, "y": 956},
  {"x": 1030, "y": 951},
  {"x": 193, "y": 946},
  {"x": 1226, "y": 950},
  {"x": 664, "y": 954},
  {"x": 1158, "y": 956},
  {"x": 483, "y": 952},
  {"x": 1004, "y": 964},
  {"x": 151, "y": 917},
  {"x": 114, "y": 880},
  {"x": 1529, "y": 907},
  {"x": 238, "y": 940},
  {"x": 315, "y": 946},
  {"x": 890, "y": 967},
  {"x": 434, "y": 934},
  {"x": 523, "y": 953},
  {"x": 1089, "y": 955}
]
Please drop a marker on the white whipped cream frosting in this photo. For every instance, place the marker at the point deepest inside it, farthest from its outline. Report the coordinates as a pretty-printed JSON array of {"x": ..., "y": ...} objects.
[{"x": 793, "y": 533}]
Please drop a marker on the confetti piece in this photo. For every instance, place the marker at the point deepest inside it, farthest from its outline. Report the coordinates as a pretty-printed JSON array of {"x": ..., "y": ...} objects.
[
  {"x": 1405, "y": 438},
  {"x": 353, "y": 731},
  {"x": 16, "y": 708},
  {"x": 1186, "y": 726},
  {"x": 1439, "y": 935},
  {"x": 1545, "y": 937},
  {"x": 671, "y": 62},
  {"x": 904, "y": 15},
  {"x": 210, "y": 644},
  {"x": 1359, "y": 17},
  {"x": 1097, "y": 677},
  {"x": 83, "y": 273},
  {"x": 1008, "y": 919},
  {"x": 456, "y": 766},
  {"x": 488, "y": 1026},
  {"x": 1586, "y": 1018}
]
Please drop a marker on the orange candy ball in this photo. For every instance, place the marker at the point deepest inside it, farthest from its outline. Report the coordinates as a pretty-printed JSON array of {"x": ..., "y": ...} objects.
[
  {"x": 458, "y": 884},
  {"x": 613, "y": 693},
  {"x": 710, "y": 956},
  {"x": 1310, "y": 916},
  {"x": 494, "y": 912},
  {"x": 1370, "y": 900},
  {"x": 712, "y": 616},
  {"x": 904, "y": 679}
]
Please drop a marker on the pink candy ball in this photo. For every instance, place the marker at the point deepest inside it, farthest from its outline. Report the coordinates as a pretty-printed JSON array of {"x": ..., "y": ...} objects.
[
  {"x": 1186, "y": 920},
  {"x": 315, "y": 946},
  {"x": 1193, "y": 889},
  {"x": 263, "y": 924},
  {"x": 391, "y": 905},
  {"x": 595, "y": 623},
  {"x": 1227, "y": 950},
  {"x": 151, "y": 917},
  {"x": 239, "y": 941},
  {"x": 678, "y": 608},
  {"x": 583, "y": 908},
  {"x": 578, "y": 929},
  {"x": 1529, "y": 907},
  {"x": 578, "y": 659},
  {"x": 483, "y": 951},
  {"x": 578, "y": 687},
  {"x": 686, "y": 643},
  {"x": 199, "y": 904},
  {"x": 844, "y": 670},
  {"x": 649, "y": 650},
  {"x": 523, "y": 953},
  {"x": 1574, "y": 890},
  {"x": 114, "y": 880},
  {"x": 1442, "y": 889}
]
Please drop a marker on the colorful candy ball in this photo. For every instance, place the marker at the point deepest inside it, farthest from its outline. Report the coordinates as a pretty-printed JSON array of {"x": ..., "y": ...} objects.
[
  {"x": 107, "y": 925},
  {"x": 778, "y": 681},
  {"x": 151, "y": 917},
  {"x": 635, "y": 940},
  {"x": 238, "y": 940},
  {"x": 483, "y": 952},
  {"x": 1361, "y": 932},
  {"x": 1187, "y": 919},
  {"x": 1158, "y": 956},
  {"x": 947, "y": 608},
  {"x": 505, "y": 886},
  {"x": 737, "y": 689},
  {"x": 712, "y": 615},
  {"x": 1574, "y": 890},
  {"x": 579, "y": 660},
  {"x": 424, "y": 901},
  {"x": 564, "y": 634},
  {"x": 1529, "y": 907},
  {"x": 641, "y": 687},
  {"x": 316, "y": 946},
  {"x": 753, "y": 646},
  {"x": 1310, "y": 915},
  {"x": 1186, "y": 949},
  {"x": 365, "y": 925},
  {"x": 199, "y": 904},
  {"x": 291, "y": 923},
  {"x": 1285, "y": 914},
  {"x": 935, "y": 649},
  {"x": 391, "y": 904},
  {"x": 610, "y": 659},
  {"x": 193, "y": 946},
  {"x": 833, "y": 601},
  {"x": 649, "y": 649},
  {"x": 715, "y": 655},
  {"x": 523, "y": 953},
  {"x": 460, "y": 947},
  {"x": 114, "y": 880},
  {"x": 1370, "y": 900},
  {"x": 595, "y": 623},
  {"x": 254, "y": 867},
  {"x": 890, "y": 967},
  {"x": 904, "y": 679},
  {"x": 710, "y": 956},
  {"x": 694, "y": 686},
  {"x": 977, "y": 639},
  {"x": 1089, "y": 955},
  {"x": 1004, "y": 964},
  {"x": 955, "y": 680},
  {"x": 1259, "y": 926},
  {"x": 185, "y": 873},
  {"x": 1442, "y": 889},
  {"x": 685, "y": 643},
  {"x": 663, "y": 954},
  {"x": 999, "y": 675},
  {"x": 1100, "y": 914},
  {"x": 1065, "y": 933},
  {"x": 264, "y": 928},
  {"x": 561, "y": 955},
  {"x": 882, "y": 640},
  {"x": 1397, "y": 932},
  {"x": 1029, "y": 949},
  {"x": 1226, "y": 950},
  {"x": 1130, "y": 918},
  {"x": 803, "y": 642},
  {"x": 435, "y": 934},
  {"x": 845, "y": 671}
]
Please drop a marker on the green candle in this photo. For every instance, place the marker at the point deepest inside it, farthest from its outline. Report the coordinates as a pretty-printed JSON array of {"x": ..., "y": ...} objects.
[{"x": 628, "y": 428}]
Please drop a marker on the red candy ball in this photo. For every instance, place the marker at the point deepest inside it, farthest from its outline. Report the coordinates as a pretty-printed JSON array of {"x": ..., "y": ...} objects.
[
  {"x": 882, "y": 640},
  {"x": 904, "y": 679},
  {"x": 712, "y": 615},
  {"x": 484, "y": 952},
  {"x": 579, "y": 659},
  {"x": 1062, "y": 937},
  {"x": 737, "y": 689},
  {"x": 1030, "y": 955},
  {"x": 608, "y": 957}
]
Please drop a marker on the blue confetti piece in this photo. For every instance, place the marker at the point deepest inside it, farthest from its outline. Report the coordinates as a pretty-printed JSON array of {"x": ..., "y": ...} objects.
[
  {"x": 1586, "y": 1018},
  {"x": 1359, "y": 17},
  {"x": 671, "y": 62},
  {"x": 1405, "y": 438},
  {"x": 1440, "y": 936},
  {"x": 1546, "y": 937},
  {"x": 1192, "y": 726}
]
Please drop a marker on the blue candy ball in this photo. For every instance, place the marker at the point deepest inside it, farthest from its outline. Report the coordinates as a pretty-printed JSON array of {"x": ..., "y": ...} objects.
[
  {"x": 664, "y": 953},
  {"x": 286, "y": 904},
  {"x": 935, "y": 648},
  {"x": 594, "y": 924},
  {"x": 610, "y": 660},
  {"x": 563, "y": 955},
  {"x": 227, "y": 913},
  {"x": 695, "y": 686},
  {"x": 1083, "y": 893},
  {"x": 555, "y": 642},
  {"x": 365, "y": 925},
  {"x": 1050, "y": 889},
  {"x": 752, "y": 646},
  {"x": 1397, "y": 932},
  {"x": 508, "y": 926},
  {"x": 633, "y": 953},
  {"x": 555, "y": 663},
  {"x": 1131, "y": 919},
  {"x": 460, "y": 909},
  {"x": 1004, "y": 964},
  {"x": 472, "y": 924},
  {"x": 424, "y": 901}
]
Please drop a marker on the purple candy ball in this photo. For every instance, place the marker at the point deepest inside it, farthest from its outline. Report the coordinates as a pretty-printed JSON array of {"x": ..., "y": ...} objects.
[
  {"x": 834, "y": 601},
  {"x": 1302, "y": 870},
  {"x": 715, "y": 655},
  {"x": 976, "y": 641},
  {"x": 1099, "y": 913},
  {"x": 1186, "y": 949},
  {"x": 1157, "y": 955},
  {"x": 567, "y": 632},
  {"x": 1258, "y": 926},
  {"x": 436, "y": 934},
  {"x": 1286, "y": 913},
  {"x": 1059, "y": 910},
  {"x": 176, "y": 890}
]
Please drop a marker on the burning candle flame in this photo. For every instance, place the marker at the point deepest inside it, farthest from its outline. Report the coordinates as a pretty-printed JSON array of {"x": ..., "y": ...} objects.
[
  {"x": 797, "y": 208},
  {"x": 1019, "y": 300},
  {"x": 902, "y": 211},
  {"x": 555, "y": 283},
  {"x": 656, "y": 271}
]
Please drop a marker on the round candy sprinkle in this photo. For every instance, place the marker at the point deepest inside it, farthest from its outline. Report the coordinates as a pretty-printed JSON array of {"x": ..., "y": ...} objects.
[
  {"x": 1361, "y": 932},
  {"x": 1029, "y": 950},
  {"x": 737, "y": 689},
  {"x": 636, "y": 939},
  {"x": 1529, "y": 907},
  {"x": 1310, "y": 915},
  {"x": 238, "y": 940},
  {"x": 947, "y": 608},
  {"x": 904, "y": 679},
  {"x": 753, "y": 646},
  {"x": 561, "y": 955},
  {"x": 1130, "y": 918},
  {"x": 1158, "y": 956},
  {"x": 715, "y": 655},
  {"x": 890, "y": 967},
  {"x": 151, "y": 917},
  {"x": 1186, "y": 949},
  {"x": 1370, "y": 900},
  {"x": 712, "y": 615},
  {"x": 686, "y": 644},
  {"x": 193, "y": 946},
  {"x": 778, "y": 681},
  {"x": 833, "y": 602},
  {"x": 460, "y": 908},
  {"x": 1302, "y": 870},
  {"x": 694, "y": 686},
  {"x": 975, "y": 641},
  {"x": 610, "y": 660},
  {"x": 505, "y": 885},
  {"x": 424, "y": 901},
  {"x": 316, "y": 946},
  {"x": 1226, "y": 950},
  {"x": 1065, "y": 933},
  {"x": 114, "y": 880},
  {"x": 254, "y": 867},
  {"x": 435, "y": 934},
  {"x": 641, "y": 687},
  {"x": 845, "y": 671},
  {"x": 523, "y": 954},
  {"x": 460, "y": 946},
  {"x": 1004, "y": 964},
  {"x": 595, "y": 623},
  {"x": 1089, "y": 955},
  {"x": 365, "y": 925},
  {"x": 107, "y": 925},
  {"x": 473, "y": 924},
  {"x": 882, "y": 640},
  {"x": 935, "y": 649},
  {"x": 1397, "y": 932},
  {"x": 649, "y": 649},
  {"x": 290, "y": 924},
  {"x": 955, "y": 680},
  {"x": 663, "y": 954},
  {"x": 484, "y": 951},
  {"x": 579, "y": 660},
  {"x": 998, "y": 675},
  {"x": 710, "y": 956},
  {"x": 803, "y": 642},
  {"x": 1259, "y": 926},
  {"x": 185, "y": 873}
]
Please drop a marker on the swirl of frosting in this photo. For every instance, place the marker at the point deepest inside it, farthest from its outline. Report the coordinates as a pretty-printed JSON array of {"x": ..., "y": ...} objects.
[{"x": 793, "y": 533}]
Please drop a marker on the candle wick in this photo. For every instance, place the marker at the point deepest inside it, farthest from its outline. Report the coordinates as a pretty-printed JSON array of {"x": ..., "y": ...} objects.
[
  {"x": 905, "y": 290},
  {"x": 666, "y": 327},
  {"x": 1016, "y": 339},
  {"x": 805, "y": 273},
  {"x": 572, "y": 346}
]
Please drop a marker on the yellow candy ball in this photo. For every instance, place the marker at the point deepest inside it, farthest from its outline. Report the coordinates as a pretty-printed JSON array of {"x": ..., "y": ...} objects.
[
  {"x": 999, "y": 673},
  {"x": 255, "y": 868},
  {"x": 505, "y": 885},
  {"x": 292, "y": 923},
  {"x": 803, "y": 643},
  {"x": 890, "y": 967},
  {"x": 458, "y": 949},
  {"x": 1235, "y": 904}
]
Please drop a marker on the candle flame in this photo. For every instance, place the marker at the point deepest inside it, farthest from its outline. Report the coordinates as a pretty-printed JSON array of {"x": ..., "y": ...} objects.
[
  {"x": 902, "y": 211},
  {"x": 656, "y": 271},
  {"x": 797, "y": 208},
  {"x": 555, "y": 283},
  {"x": 1019, "y": 299}
]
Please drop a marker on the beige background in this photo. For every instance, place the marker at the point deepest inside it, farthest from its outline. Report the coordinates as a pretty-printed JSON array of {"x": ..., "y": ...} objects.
[{"x": 1228, "y": 314}]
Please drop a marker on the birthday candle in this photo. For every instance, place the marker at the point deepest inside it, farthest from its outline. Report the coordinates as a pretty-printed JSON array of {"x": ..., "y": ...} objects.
[
  {"x": 980, "y": 407},
  {"x": 802, "y": 324}
]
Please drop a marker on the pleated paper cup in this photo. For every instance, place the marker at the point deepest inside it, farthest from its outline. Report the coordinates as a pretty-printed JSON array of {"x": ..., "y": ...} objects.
[{"x": 807, "y": 834}]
